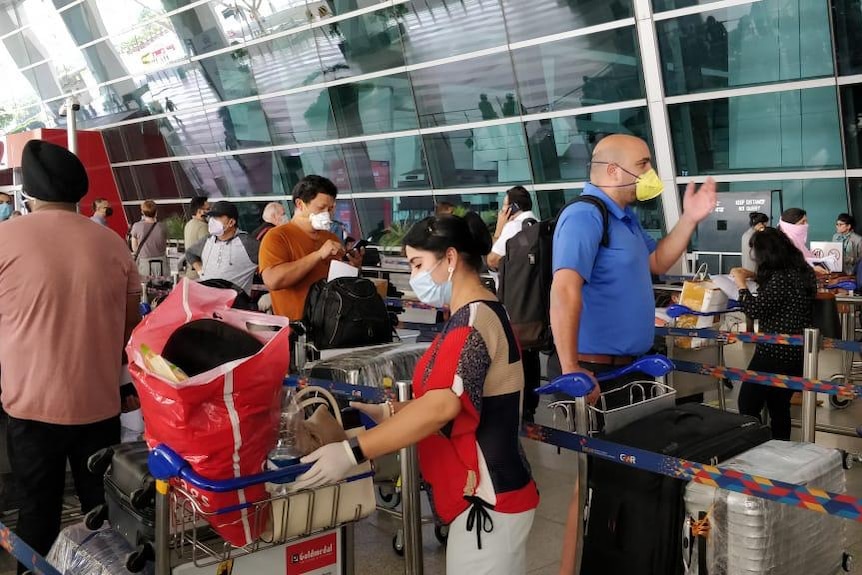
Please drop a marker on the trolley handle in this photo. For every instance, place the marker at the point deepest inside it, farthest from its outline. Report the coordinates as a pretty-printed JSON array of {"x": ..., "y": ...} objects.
[
  {"x": 165, "y": 464},
  {"x": 580, "y": 385},
  {"x": 676, "y": 310},
  {"x": 848, "y": 285}
]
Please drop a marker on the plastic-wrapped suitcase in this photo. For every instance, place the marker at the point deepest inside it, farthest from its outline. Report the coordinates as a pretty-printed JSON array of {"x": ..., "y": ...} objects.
[
  {"x": 370, "y": 366},
  {"x": 751, "y": 536},
  {"x": 80, "y": 551}
]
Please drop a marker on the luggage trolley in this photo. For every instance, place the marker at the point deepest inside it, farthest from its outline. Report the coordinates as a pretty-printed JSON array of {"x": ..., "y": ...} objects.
[
  {"x": 590, "y": 420},
  {"x": 851, "y": 367},
  {"x": 186, "y": 544}
]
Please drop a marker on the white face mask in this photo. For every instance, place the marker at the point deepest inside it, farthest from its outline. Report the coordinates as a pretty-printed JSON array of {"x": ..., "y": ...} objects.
[
  {"x": 215, "y": 227},
  {"x": 321, "y": 221}
]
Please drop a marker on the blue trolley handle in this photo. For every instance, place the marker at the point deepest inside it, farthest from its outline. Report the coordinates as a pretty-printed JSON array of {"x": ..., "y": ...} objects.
[
  {"x": 845, "y": 285},
  {"x": 165, "y": 464},
  {"x": 580, "y": 385},
  {"x": 676, "y": 310}
]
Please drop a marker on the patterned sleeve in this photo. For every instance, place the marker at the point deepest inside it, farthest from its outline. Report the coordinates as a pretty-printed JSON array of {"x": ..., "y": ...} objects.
[
  {"x": 767, "y": 302},
  {"x": 473, "y": 366}
]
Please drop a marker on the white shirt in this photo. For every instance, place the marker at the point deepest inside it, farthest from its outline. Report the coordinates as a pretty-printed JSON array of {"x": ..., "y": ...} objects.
[{"x": 510, "y": 230}]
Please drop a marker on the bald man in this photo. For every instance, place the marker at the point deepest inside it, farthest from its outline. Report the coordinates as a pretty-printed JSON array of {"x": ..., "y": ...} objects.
[
  {"x": 273, "y": 215},
  {"x": 602, "y": 303}
]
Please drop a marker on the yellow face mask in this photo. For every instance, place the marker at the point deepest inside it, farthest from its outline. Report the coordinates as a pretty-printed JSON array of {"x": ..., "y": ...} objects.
[{"x": 647, "y": 185}]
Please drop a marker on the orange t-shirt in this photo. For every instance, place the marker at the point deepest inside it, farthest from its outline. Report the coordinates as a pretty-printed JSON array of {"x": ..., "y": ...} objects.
[
  {"x": 64, "y": 282},
  {"x": 289, "y": 243}
]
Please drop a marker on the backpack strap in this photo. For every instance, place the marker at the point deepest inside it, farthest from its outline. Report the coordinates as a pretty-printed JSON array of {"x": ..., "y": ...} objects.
[{"x": 603, "y": 210}]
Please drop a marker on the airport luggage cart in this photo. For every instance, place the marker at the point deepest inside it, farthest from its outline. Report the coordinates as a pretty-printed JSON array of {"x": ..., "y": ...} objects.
[
  {"x": 290, "y": 526},
  {"x": 852, "y": 362}
]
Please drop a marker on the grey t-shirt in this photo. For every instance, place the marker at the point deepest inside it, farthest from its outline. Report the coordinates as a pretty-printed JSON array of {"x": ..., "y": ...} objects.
[{"x": 156, "y": 244}]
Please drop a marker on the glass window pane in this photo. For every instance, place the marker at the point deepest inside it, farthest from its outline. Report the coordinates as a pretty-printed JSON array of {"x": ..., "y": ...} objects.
[
  {"x": 650, "y": 214},
  {"x": 851, "y": 107},
  {"x": 325, "y": 160},
  {"x": 345, "y": 214},
  {"x": 469, "y": 91},
  {"x": 586, "y": 71},
  {"x": 360, "y": 45},
  {"x": 790, "y": 130},
  {"x": 300, "y": 118},
  {"x": 758, "y": 43},
  {"x": 662, "y": 5},
  {"x": 236, "y": 176},
  {"x": 286, "y": 63},
  {"x": 848, "y": 22},
  {"x": 386, "y": 220},
  {"x": 380, "y": 165},
  {"x": 229, "y": 75},
  {"x": 478, "y": 157},
  {"x": 238, "y": 127},
  {"x": 434, "y": 29},
  {"x": 561, "y": 148},
  {"x": 374, "y": 106},
  {"x": 536, "y": 18}
]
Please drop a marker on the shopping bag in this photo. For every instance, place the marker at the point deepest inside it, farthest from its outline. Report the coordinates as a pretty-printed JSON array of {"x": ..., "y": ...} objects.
[
  {"x": 223, "y": 421},
  {"x": 699, "y": 295}
]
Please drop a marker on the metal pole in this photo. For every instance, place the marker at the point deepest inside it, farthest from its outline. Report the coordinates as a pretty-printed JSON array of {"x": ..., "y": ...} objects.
[
  {"x": 163, "y": 529},
  {"x": 349, "y": 546},
  {"x": 722, "y": 399},
  {"x": 72, "y": 107},
  {"x": 827, "y": 428},
  {"x": 411, "y": 504},
  {"x": 582, "y": 427},
  {"x": 810, "y": 370},
  {"x": 848, "y": 333}
]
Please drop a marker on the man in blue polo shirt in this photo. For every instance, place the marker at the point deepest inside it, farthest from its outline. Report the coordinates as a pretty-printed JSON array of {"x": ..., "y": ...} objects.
[{"x": 602, "y": 304}]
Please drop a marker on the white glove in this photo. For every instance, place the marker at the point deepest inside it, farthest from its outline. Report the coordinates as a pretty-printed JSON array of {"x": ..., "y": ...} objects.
[
  {"x": 332, "y": 463},
  {"x": 376, "y": 411}
]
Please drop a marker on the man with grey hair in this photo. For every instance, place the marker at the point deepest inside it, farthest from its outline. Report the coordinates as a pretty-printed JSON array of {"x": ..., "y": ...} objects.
[{"x": 273, "y": 215}]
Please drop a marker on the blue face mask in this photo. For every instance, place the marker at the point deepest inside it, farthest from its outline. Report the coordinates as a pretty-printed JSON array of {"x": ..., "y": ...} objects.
[
  {"x": 430, "y": 292},
  {"x": 5, "y": 211}
]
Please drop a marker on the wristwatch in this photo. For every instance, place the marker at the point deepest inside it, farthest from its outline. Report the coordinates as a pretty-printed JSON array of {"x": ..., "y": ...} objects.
[{"x": 358, "y": 455}]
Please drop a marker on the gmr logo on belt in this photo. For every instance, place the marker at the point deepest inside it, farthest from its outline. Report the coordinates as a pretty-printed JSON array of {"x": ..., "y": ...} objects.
[{"x": 630, "y": 459}]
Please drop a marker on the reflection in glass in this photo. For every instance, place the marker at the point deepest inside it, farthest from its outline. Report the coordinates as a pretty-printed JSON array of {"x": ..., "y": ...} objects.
[
  {"x": 482, "y": 156},
  {"x": 386, "y": 165},
  {"x": 469, "y": 91},
  {"x": 851, "y": 107},
  {"x": 585, "y": 71},
  {"x": 745, "y": 45},
  {"x": 536, "y": 18},
  {"x": 796, "y": 129},
  {"x": 360, "y": 45},
  {"x": 236, "y": 176},
  {"x": 327, "y": 160},
  {"x": 386, "y": 220},
  {"x": 561, "y": 148},
  {"x": 320, "y": 9},
  {"x": 300, "y": 118},
  {"x": 374, "y": 106},
  {"x": 662, "y": 5},
  {"x": 650, "y": 214},
  {"x": 153, "y": 182},
  {"x": 434, "y": 29},
  {"x": 848, "y": 21},
  {"x": 286, "y": 63}
]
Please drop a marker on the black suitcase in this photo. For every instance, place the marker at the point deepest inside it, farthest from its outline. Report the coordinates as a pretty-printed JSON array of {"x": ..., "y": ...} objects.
[
  {"x": 634, "y": 517},
  {"x": 129, "y": 499}
]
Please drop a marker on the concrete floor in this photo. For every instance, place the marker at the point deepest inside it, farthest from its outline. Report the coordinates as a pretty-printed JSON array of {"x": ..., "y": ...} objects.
[{"x": 554, "y": 474}]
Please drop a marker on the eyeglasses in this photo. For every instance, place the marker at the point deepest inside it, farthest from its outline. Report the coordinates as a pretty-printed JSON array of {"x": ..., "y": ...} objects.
[{"x": 841, "y": 224}]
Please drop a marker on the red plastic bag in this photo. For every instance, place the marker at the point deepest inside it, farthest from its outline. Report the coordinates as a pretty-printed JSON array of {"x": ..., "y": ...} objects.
[{"x": 224, "y": 421}]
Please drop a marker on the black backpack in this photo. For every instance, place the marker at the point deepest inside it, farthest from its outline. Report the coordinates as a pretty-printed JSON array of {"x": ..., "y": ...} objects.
[
  {"x": 526, "y": 272},
  {"x": 346, "y": 312}
]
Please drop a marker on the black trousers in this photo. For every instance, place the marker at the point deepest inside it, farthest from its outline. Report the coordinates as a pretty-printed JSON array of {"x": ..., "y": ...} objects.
[
  {"x": 38, "y": 453},
  {"x": 753, "y": 396},
  {"x": 532, "y": 379}
]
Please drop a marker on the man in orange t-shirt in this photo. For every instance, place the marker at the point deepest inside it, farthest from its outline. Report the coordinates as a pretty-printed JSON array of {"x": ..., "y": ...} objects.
[{"x": 297, "y": 254}]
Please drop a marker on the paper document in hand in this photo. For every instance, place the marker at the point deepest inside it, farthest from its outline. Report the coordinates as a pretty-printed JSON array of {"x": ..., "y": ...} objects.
[
  {"x": 727, "y": 284},
  {"x": 339, "y": 269}
]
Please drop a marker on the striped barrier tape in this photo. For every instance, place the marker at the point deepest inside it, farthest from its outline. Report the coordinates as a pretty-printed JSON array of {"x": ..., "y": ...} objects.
[
  {"x": 842, "y": 344},
  {"x": 732, "y": 336},
  {"x": 24, "y": 553},
  {"x": 811, "y": 498},
  {"x": 846, "y": 390}
]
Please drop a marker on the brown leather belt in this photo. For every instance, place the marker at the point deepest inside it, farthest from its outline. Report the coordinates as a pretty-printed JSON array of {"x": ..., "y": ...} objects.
[{"x": 605, "y": 359}]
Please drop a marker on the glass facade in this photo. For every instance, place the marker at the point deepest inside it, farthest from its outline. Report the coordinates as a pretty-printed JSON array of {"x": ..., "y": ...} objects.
[{"x": 403, "y": 103}]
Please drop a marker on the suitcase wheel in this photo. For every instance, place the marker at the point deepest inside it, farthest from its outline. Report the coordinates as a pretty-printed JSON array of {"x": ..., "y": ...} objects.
[
  {"x": 144, "y": 498},
  {"x": 96, "y": 517},
  {"x": 847, "y": 563},
  {"x": 138, "y": 559},
  {"x": 99, "y": 462},
  {"x": 398, "y": 543}
]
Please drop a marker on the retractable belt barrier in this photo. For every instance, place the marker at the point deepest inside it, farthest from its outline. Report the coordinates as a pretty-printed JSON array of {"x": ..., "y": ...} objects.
[
  {"x": 841, "y": 505},
  {"x": 24, "y": 553}
]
